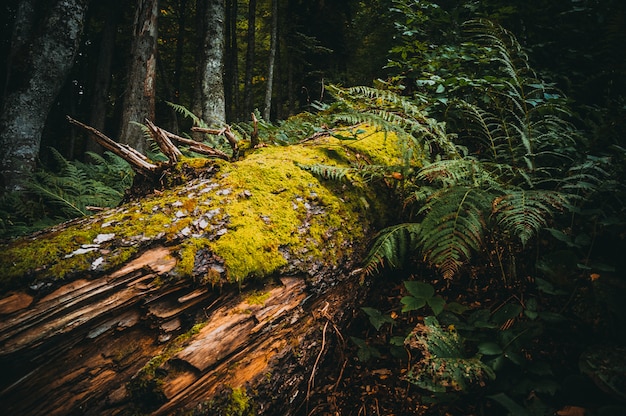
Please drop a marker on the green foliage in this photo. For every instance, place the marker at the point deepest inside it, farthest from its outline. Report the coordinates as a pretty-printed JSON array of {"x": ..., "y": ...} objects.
[
  {"x": 393, "y": 246},
  {"x": 68, "y": 190},
  {"x": 377, "y": 318},
  {"x": 365, "y": 352},
  {"x": 421, "y": 294},
  {"x": 336, "y": 173},
  {"x": 443, "y": 365},
  {"x": 509, "y": 168}
]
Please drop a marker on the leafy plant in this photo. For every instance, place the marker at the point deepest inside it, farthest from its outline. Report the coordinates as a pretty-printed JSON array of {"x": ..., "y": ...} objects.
[
  {"x": 67, "y": 190},
  {"x": 443, "y": 365}
]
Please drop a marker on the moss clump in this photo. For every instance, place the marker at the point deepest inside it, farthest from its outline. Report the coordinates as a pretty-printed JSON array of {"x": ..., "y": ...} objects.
[
  {"x": 257, "y": 298},
  {"x": 228, "y": 402}
]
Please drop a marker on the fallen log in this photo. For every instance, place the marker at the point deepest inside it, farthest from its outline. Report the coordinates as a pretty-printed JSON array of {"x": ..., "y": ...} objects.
[{"x": 236, "y": 282}]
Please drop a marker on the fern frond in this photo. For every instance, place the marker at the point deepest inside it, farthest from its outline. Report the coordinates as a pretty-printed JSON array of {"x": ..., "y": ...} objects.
[
  {"x": 335, "y": 173},
  {"x": 182, "y": 110},
  {"x": 453, "y": 226},
  {"x": 393, "y": 246},
  {"x": 525, "y": 213}
]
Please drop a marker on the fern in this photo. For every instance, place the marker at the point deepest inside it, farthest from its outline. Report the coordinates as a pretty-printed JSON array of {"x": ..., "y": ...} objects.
[
  {"x": 336, "y": 173},
  {"x": 182, "y": 110},
  {"x": 453, "y": 226},
  {"x": 525, "y": 213},
  {"x": 443, "y": 365},
  {"x": 392, "y": 246}
]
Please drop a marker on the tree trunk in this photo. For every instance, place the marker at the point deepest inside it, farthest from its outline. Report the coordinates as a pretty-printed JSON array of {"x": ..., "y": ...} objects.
[
  {"x": 139, "y": 98},
  {"x": 210, "y": 78},
  {"x": 231, "y": 71},
  {"x": 180, "y": 41},
  {"x": 248, "y": 95},
  {"x": 271, "y": 63},
  {"x": 102, "y": 82},
  {"x": 39, "y": 70},
  {"x": 134, "y": 309}
]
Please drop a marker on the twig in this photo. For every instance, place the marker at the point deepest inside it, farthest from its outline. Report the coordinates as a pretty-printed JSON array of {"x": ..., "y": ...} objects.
[
  {"x": 198, "y": 147},
  {"x": 224, "y": 131},
  {"x": 311, "y": 382}
]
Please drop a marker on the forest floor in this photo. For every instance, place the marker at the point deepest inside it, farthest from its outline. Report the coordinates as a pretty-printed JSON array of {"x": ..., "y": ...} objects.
[{"x": 346, "y": 386}]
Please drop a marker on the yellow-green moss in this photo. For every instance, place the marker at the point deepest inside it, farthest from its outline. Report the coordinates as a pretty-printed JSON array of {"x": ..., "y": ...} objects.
[
  {"x": 257, "y": 298},
  {"x": 269, "y": 209}
]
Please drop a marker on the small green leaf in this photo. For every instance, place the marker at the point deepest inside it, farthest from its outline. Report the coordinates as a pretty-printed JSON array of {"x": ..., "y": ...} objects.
[
  {"x": 436, "y": 304},
  {"x": 456, "y": 308},
  {"x": 489, "y": 348},
  {"x": 547, "y": 287},
  {"x": 440, "y": 89},
  {"x": 419, "y": 289},
  {"x": 411, "y": 303},
  {"x": 508, "y": 311},
  {"x": 377, "y": 319}
]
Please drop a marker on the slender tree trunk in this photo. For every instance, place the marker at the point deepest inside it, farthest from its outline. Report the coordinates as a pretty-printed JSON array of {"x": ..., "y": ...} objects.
[
  {"x": 180, "y": 42},
  {"x": 102, "y": 80},
  {"x": 251, "y": 39},
  {"x": 36, "y": 79},
  {"x": 272, "y": 61},
  {"x": 139, "y": 99},
  {"x": 231, "y": 72},
  {"x": 211, "y": 15}
]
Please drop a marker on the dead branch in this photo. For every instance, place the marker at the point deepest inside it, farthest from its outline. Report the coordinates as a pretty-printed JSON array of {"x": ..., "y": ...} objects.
[
  {"x": 138, "y": 161},
  {"x": 224, "y": 131},
  {"x": 165, "y": 144},
  {"x": 198, "y": 147}
]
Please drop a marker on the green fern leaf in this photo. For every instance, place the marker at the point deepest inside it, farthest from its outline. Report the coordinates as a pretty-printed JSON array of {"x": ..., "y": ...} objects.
[
  {"x": 453, "y": 226},
  {"x": 392, "y": 246},
  {"x": 335, "y": 173},
  {"x": 525, "y": 213}
]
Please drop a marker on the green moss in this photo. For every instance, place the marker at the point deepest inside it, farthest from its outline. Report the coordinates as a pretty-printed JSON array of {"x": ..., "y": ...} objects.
[
  {"x": 257, "y": 298},
  {"x": 145, "y": 387},
  {"x": 228, "y": 402},
  {"x": 265, "y": 211}
]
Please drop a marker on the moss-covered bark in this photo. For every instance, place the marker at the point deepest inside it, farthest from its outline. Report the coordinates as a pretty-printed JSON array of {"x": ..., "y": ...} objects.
[{"x": 124, "y": 303}]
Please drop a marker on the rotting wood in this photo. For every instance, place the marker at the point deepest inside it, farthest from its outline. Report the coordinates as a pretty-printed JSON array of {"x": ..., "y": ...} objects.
[{"x": 139, "y": 337}]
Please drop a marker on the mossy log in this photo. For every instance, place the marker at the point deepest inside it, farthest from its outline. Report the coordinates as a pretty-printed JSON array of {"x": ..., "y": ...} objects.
[{"x": 238, "y": 278}]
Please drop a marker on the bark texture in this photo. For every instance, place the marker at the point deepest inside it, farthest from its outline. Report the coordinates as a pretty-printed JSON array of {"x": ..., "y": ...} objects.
[
  {"x": 139, "y": 99},
  {"x": 135, "y": 310},
  {"x": 40, "y": 66},
  {"x": 210, "y": 73},
  {"x": 269, "y": 88}
]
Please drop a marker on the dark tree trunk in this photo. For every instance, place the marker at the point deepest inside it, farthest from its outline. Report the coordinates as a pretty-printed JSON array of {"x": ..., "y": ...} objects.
[
  {"x": 248, "y": 95},
  {"x": 210, "y": 102},
  {"x": 269, "y": 89},
  {"x": 40, "y": 65},
  {"x": 231, "y": 71},
  {"x": 139, "y": 96},
  {"x": 102, "y": 82},
  {"x": 180, "y": 42},
  {"x": 242, "y": 277}
]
